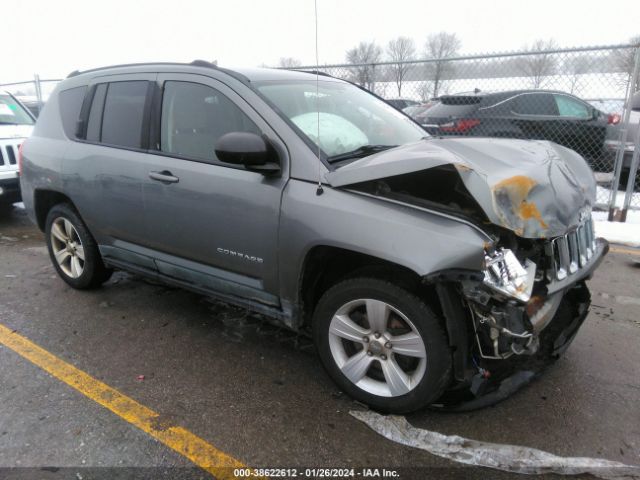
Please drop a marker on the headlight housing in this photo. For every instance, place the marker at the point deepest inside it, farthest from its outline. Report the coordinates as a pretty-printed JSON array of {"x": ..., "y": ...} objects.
[{"x": 505, "y": 274}]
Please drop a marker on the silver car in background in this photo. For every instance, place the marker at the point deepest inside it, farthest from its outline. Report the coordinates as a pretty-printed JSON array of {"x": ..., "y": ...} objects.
[{"x": 631, "y": 138}]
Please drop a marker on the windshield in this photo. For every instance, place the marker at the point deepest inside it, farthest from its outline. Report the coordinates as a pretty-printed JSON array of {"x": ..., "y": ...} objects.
[
  {"x": 350, "y": 118},
  {"x": 12, "y": 113}
]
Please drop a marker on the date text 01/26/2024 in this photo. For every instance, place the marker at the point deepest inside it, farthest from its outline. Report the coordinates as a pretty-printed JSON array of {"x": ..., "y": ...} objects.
[{"x": 315, "y": 473}]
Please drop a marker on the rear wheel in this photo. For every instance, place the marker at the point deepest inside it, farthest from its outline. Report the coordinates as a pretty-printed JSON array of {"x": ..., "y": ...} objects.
[
  {"x": 382, "y": 345},
  {"x": 73, "y": 250}
]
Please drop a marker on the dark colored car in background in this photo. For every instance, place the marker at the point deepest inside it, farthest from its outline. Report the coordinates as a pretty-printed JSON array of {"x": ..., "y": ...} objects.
[
  {"x": 418, "y": 112},
  {"x": 532, "y": 114}
]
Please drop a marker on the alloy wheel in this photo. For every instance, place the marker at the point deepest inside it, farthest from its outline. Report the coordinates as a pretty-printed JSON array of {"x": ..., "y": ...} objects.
[
  {"x": 377, "y": 347},
  {"x": 67, "y": 247}
]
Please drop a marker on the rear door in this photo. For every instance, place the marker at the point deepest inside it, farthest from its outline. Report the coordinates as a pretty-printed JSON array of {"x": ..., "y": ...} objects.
[
  {"x": 103, "y": 169},
  {"x": 211, "y": 223}
]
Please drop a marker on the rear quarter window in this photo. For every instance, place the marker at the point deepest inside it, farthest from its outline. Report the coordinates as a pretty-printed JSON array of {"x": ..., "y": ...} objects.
[
  {"x": 70, "y": 105},
  {"x": 535, "y": 104}
]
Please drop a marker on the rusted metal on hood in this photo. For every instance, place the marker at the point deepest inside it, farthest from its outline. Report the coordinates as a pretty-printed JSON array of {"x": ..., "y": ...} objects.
[
  {"x": 511, "y": 194},
  {"x": 537, "y": 189}
]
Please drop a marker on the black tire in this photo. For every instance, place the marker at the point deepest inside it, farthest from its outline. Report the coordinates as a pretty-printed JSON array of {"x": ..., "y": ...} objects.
[
  {"x": 437, "y": 375},
  {"x": 94, "y": 273}
]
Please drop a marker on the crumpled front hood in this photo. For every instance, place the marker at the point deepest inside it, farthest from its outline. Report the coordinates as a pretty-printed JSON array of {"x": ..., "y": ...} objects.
[{"x": 537, "y": 189}]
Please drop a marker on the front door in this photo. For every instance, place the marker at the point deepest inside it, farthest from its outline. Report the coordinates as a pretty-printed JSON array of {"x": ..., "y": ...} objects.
[{"x": 211, "y": 223}]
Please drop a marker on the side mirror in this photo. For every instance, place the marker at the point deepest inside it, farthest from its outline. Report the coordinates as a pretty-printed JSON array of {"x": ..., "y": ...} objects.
[{"x": 248, "y": 149}]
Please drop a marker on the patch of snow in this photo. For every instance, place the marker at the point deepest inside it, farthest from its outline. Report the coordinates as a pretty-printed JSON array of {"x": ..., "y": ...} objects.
[
  {"x": 603, "y": 195},
  {"x": 616, "y": 232},
  {"x": 633, "y": 216}
]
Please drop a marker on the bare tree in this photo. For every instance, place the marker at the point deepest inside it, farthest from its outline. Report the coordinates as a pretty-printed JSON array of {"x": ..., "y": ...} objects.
[
  {"x": 364, "y": 57},
  {"x": 539, "y": 66},
  {"x": 400, "y": 51},
  {"x": 625, "y": 61},
  {"x": 439, "y": 47},
  {"x": 425, "y": 90},
  {"x": 577, "y": 66},
  {"x": 289, "y": 62}
]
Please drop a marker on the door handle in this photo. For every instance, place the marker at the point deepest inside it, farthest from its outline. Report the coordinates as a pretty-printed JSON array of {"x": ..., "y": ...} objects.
[{"x": 164, "y": 176}]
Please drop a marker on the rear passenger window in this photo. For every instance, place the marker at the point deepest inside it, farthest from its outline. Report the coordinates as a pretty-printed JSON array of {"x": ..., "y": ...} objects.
[
  {"x": 70, "y": 105},
  {"x": 535, "y": 104},
  {"x": 123, "y": 114},
  {"x": 195, "y": 116}
]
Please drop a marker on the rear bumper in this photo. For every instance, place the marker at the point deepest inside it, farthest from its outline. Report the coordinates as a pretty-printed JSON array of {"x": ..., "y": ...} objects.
[{"x": 611, "y": 148}]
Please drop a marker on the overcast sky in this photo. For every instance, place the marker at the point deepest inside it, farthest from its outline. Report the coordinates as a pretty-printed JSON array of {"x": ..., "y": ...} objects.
[{"x": 54, "y": 37}]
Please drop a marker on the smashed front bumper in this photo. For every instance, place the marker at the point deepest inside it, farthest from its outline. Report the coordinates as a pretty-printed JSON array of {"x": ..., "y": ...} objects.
[{"x": 549, "y": 332}]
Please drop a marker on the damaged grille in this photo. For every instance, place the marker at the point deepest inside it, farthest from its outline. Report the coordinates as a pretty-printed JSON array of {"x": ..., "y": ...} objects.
[{"x": 571, "y": 252}]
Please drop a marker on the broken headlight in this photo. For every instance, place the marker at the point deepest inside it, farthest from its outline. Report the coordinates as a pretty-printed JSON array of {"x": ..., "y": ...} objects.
[{"x": 505, "y": 274}]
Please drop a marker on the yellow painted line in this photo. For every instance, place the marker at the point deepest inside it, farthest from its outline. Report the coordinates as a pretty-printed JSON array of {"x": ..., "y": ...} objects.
[
  {"x": 629, "y": 251},
  {"x": 203, "y": 454}
]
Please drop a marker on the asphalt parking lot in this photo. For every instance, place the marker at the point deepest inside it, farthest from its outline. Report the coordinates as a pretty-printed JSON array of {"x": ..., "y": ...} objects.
[{"x": 258, "y": 393}]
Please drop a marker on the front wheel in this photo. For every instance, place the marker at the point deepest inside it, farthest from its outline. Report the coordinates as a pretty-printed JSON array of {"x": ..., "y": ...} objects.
[
  {"x": 382, "y": 345},
  {"x": 73, "y": 250}
]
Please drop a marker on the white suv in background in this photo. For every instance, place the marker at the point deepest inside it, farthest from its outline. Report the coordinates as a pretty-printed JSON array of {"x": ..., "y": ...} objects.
[{"x": 16, "y": 124}]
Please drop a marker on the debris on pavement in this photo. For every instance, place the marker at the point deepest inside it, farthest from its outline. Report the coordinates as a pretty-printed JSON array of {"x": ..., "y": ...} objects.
[{"x": 508, "y": 458}]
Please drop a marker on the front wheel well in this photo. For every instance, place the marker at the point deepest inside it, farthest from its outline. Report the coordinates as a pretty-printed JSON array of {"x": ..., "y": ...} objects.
[
  {"x": 325, "y": 266},
  {"x": 44, "y": 201}
]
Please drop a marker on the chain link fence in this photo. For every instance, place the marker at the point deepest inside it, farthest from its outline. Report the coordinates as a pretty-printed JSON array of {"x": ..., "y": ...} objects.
[
  {"x": 581, "y": 98},
  {"x": 577, "y": 97},
  {"x": 32, "y": 93}
]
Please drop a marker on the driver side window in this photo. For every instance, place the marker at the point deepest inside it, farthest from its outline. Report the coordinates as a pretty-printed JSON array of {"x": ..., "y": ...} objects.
[{"x": 194, "y": 117}]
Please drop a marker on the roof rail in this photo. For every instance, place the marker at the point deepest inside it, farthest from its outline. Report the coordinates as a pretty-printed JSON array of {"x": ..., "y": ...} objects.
[
  {"x": 204, "y": 63},
  {"x": 314, "y": 72},
  {"x": 194, "y": 63}
]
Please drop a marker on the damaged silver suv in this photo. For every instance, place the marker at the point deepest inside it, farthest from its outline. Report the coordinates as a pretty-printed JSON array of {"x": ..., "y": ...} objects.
[{"x": 429, "y": 271}]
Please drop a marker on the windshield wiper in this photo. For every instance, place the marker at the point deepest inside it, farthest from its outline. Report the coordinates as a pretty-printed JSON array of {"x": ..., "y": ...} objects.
[
  {"x": 359, "y": 152},
  {"x": 10, "y": 123}
]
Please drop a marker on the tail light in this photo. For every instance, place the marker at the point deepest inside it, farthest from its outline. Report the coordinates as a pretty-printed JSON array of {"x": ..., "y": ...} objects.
[
  {"x": 460, "y": 126},
  {"x": 613, "y": 118},
  {"x": 20, "y": 158}
]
